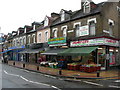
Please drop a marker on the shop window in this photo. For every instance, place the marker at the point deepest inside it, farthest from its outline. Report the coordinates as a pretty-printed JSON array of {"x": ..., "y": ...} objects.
[
  {"x": 92, "y": 28},
  {"x": 112, "y": 56},
  {"x": 46, "y": 36},
  {"x": 101, "y": 56}
]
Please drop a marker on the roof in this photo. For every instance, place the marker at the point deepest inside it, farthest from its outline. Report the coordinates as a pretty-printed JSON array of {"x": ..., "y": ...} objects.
[{"x": 78, "y": 14}]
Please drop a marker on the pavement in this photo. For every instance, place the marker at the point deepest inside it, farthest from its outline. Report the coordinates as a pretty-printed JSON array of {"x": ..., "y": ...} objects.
[
  {"x": 109, "y": 74},
  {"x": 113, "y": 73}
]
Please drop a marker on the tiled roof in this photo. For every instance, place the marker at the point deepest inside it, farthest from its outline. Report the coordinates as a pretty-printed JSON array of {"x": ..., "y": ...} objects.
[{"x": 79, "y": 14}]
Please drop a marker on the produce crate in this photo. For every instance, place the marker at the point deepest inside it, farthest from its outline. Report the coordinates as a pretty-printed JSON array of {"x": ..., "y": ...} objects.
[
  {"x": 68, "y": 67},
  {"x": 82, "y": 68},
  {"x": 98, "y": 68},
  {"x": 74, "y": 67}
]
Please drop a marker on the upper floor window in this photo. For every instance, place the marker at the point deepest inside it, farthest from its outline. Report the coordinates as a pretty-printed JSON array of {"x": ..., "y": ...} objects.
[
  {"x": 17, "y": 42},
  {"x": 46, "y": 36},
  {"x": 39, "y": 37},
  {"x": 86, "y": 6},
  {"x": 92, "y": 28},
  {"x": 28, "y": 39},
  {"x": 21, "y": 43},
  {"x": 14, "y": 43},
  {"x": 64, "y": 30},
  {"x": 55, "y": 33},
  {"x": 24, "y": 40},
  {"x": 46, "y": 21},
  {"x": 77, "y": 30},
  {"x": 111, "y": 24},
  {"x": 76, "y": 27},
  {"x": 33, "y": 38},
  {"x": 62, "y": 15}
]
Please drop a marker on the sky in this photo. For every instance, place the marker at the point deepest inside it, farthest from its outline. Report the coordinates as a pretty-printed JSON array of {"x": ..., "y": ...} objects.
[{"x": 18, "y": 13}]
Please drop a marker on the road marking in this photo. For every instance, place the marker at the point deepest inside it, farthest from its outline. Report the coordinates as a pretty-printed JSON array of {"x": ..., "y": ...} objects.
[
  {"x": 11, "y": 74},
  {"x": 24, "y": 78},
  {"x": 117, "y": 81},
  {"x": 114, "y": 86},
  {"x": 50, "y": 76},
  {"x": 55, "y": 87},
  {"x": 26, "y": 71},
  {"x": 92, "y": 83},
  {"x": 30, "y": 80}
]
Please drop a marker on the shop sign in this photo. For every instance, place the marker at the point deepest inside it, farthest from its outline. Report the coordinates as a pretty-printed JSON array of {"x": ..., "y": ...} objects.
[
  {"x": 84, "y": 30},
  {"x": 59, "y": 40},
  {"x": 91, "y": 42}
]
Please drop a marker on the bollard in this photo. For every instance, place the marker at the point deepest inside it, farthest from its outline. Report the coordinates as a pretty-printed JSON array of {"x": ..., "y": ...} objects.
[
  {"x": 60, "y": 71},
  {"x": 37, "y": 68},
  {"x": 14, "y": 63},
  {"x": 98, "y": 73},
  {"x": 23, "y": 65}
]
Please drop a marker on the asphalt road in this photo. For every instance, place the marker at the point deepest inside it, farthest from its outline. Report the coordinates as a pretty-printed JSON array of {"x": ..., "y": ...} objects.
[{"x": 13, "y": 77}]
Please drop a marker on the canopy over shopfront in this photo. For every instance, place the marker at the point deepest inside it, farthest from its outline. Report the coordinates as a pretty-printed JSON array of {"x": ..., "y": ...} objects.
[
  {"x": 32, "y": 50},
  {"x": 5, "y": 51},
  {"x": 79, "y": 51},
  {"x": 54, "y": 51}
]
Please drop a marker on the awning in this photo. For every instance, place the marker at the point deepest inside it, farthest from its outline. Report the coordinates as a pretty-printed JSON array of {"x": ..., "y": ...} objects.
[
  {"x": 32, "y": 50},
  {"x": 5, "y": 51},
  {"x": 81, "y": 51},
  {"x": 53, "y": 51}
]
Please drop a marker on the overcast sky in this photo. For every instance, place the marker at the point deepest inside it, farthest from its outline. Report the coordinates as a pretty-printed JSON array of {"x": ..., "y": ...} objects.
[{"x": 17, "y": 13}]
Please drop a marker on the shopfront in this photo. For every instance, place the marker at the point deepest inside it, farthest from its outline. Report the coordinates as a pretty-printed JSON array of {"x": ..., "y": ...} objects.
[
  {"x": 106, "y": 53},
  {"x": 14, "y": 53},
  {"x": 32, "y": 53},
  {"x": 56, "y": 45}
]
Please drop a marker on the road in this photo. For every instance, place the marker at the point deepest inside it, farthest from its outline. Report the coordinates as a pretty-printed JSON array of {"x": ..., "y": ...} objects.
[{"x": 13, "y": 77}]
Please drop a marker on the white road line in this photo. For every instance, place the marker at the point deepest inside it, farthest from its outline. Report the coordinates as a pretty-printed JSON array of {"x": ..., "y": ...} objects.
[
  {"x": 26, "y": 71},
  {"x": 114, "y": 86},
  {"x": 55, "y": 87},
  {"x": 24, "y": 78},
  {"x": 11, "y": 74},
  {"x": 92, "y": 83},
  {"x": 31, "y": 81},
  {"x": 117, "y": 81}
]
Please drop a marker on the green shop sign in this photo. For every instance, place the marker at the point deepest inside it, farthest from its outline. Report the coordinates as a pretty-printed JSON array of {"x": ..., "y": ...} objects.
[{"x": 57, "y": 40}]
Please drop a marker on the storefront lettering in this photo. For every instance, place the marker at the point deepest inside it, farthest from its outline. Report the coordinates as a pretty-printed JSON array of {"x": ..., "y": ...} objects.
[
  {"x": 79, "y": 42},
  {"x": 100, "y": 41},
  {"x": 57, "y": 40},
  {"x": 111, "y": 41}
]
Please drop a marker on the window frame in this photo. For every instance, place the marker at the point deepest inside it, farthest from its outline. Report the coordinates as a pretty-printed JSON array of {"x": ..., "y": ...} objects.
[
  {"x": 40, "y": 37},
  {"x": 46, "y": 36},
  {"x": 53, "y": 32}
]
